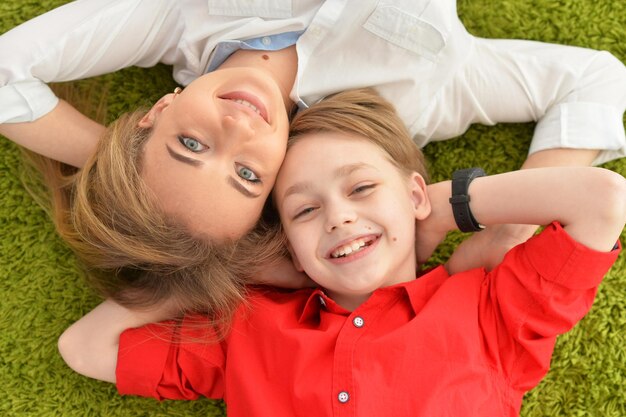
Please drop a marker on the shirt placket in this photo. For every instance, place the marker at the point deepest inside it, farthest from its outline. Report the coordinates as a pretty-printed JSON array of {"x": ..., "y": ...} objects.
[
  {"x": 326, "y": 17},
  {"x": 344, "y": 395}
]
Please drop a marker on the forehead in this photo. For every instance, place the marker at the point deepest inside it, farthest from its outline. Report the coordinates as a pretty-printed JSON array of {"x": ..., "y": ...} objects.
[{"x": 316, "y": 156}]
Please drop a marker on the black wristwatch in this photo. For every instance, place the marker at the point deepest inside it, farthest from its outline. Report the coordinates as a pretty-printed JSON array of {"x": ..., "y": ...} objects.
[{"x": 463, "y": 217}]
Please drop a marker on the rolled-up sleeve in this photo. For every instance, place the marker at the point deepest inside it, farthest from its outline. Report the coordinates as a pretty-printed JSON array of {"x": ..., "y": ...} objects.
[
  {"x": 590, "y": 115},
  {"x": 81, "y": 39},
  {"x": 576, "y": 95},
  {"x": 168, "y": 361},
  {"x": 541, "y": 290}
]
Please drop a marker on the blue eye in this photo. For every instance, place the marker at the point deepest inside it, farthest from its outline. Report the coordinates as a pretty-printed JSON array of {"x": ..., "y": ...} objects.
[
  {"x": 247, "y": 174},
  {"x": 192, "y": 144}
]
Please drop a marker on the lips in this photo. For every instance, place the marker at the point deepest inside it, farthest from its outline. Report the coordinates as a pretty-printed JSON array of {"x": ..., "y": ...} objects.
[
  {"x": 248, "y": 102},
  {"x": 352, "y": 248}
]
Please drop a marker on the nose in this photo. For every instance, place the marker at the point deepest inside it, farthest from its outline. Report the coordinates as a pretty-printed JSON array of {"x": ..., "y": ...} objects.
[
  {"x": 237, "y": 129},
  {"x": 339, "y": 215}
]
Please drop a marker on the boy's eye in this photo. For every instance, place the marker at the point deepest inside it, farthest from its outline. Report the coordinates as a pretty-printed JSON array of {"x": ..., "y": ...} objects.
[
  {"x": 247, "y": 174},
  {"x": 192, "y": 144},
  {"x": 304, "y": 212},
  {"x": 362, "y": 188}
]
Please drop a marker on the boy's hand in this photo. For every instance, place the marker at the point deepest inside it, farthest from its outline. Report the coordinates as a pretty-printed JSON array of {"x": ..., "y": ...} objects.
[
  {"x": 426, "y": 241},
  {"x": 487, "y": 248},
  {"x": 283, "y": 274},
  {"x": 432, "y": 230},
  {"x": 90, "y": 345}
]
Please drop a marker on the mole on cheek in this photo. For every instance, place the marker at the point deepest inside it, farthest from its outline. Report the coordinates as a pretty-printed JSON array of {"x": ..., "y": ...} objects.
[{"x": 395, "y": 239}]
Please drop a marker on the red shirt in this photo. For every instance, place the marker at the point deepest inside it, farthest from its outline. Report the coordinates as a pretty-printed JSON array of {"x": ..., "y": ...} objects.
[{"x": 465, "y": 345}]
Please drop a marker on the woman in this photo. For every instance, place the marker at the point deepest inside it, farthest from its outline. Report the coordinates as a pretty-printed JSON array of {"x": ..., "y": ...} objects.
[{"x": 224, "y": 135}]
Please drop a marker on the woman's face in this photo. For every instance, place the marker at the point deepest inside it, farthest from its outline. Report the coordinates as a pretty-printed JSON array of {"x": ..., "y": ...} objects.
[{"x": 215, "y": 150}]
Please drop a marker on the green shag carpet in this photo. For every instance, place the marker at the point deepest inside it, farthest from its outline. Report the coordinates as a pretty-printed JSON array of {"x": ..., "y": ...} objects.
[{"x": 42, "y": 291}]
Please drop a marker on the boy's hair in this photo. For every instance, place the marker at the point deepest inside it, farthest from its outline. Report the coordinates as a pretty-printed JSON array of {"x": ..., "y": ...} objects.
[
  {"x": 362, "y": 112},
  {"x": 132, "y": 251},
  {"x": 359, "y": 112}
]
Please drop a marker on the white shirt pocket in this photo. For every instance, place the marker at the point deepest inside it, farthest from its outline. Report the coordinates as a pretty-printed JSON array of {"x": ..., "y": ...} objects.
[
  {"x": 276, "y": 9},
  {"x": 406, "y": 31}
]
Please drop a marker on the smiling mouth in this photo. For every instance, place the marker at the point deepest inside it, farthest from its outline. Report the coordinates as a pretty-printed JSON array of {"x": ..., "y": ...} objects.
[
  {"x": 249, "y": 101},
  {"x": 353, "y": 247}
]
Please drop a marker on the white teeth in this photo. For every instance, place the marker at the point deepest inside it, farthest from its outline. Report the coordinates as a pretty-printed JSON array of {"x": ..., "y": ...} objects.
[
  {"x": 247, "y": 103},
  {"x": 348, "y": 249}
]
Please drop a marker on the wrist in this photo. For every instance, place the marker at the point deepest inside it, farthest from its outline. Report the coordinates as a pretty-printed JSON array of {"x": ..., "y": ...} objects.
[{"x": 460, "y": 199}]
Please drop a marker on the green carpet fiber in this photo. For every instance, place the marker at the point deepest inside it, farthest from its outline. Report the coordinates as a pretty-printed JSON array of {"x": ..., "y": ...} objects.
[{"x": 42, "y": 290}]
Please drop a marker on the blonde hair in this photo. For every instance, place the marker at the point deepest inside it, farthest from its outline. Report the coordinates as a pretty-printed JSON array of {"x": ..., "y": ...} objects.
[
  {"x": 362, "y": 112},
  {"x": 131, "y": 250},
  {"x": 138, "y": 256}
]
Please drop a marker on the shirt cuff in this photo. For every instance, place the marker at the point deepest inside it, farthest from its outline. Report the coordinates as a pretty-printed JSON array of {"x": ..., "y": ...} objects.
[
  {"x": 141, "y": 359},
  {"x": 26, "y": 101},
  {"x": 557, "y": 257},
  {"x": 582, "y": 126}
]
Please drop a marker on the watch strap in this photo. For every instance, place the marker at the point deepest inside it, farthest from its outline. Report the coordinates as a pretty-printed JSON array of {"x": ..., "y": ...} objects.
[{"x": 460, "y": 199}]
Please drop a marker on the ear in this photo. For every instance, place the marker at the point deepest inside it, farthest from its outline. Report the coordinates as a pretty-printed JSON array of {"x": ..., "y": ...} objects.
[
  {"x": 419, "y": 195},
  {"x": 294, "y": 258},
  {"x": 148, "y": 121}
]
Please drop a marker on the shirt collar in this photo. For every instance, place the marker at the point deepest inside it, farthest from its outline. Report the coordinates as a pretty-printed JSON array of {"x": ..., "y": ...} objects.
[
  {"x": 317, "y": 301},
  {"x": 420, "y": 290},
  {"x": 416, "y": 293},
  {"x": 226, "y": 48}
]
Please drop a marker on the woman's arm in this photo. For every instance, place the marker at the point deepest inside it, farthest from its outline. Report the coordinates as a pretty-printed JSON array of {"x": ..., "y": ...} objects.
[
  {"x": 81, "y": 39},
  {"x": 64, "y": 134},
  {"x": 90, "y": 345},
  {"x": 590, "y": 203}
]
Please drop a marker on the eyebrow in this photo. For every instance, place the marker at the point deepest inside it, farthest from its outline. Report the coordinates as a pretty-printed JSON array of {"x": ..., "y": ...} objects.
[
  {"x": 342, "y": 171},
  {"x": 182, "y": 158},
  {"x": 243, "y": 190}
]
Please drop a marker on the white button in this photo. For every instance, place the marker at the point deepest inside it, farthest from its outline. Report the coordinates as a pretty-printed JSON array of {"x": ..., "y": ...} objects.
[
  {"x": 266, "y": 40},
  {"x": 322, "y": 301},
  {"x": 343, "y": 397},
  {"x": 314, "y": 30},
  {"x": 358, "y": 321}
]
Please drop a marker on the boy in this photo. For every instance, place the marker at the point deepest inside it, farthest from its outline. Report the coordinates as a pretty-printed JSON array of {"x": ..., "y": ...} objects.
[{"x": 373, "y": 339}]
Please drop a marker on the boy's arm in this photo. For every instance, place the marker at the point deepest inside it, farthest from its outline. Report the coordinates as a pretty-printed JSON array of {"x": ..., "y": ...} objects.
[
  {"x": 90, "y": 345},
  {"x": 486, "y": 249},
  {"x": 590, "y": 203}
]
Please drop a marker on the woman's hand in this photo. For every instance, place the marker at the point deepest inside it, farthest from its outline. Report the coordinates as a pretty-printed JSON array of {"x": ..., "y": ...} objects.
[{"x": 64, "y": 134}]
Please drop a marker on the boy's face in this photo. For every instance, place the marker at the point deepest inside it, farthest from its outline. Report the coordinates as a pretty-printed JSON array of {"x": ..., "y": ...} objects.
[{"x": 349, "y": 215}]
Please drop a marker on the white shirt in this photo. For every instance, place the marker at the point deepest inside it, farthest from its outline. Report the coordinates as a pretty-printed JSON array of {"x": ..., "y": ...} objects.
[{"x": 416, "y": 53}]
